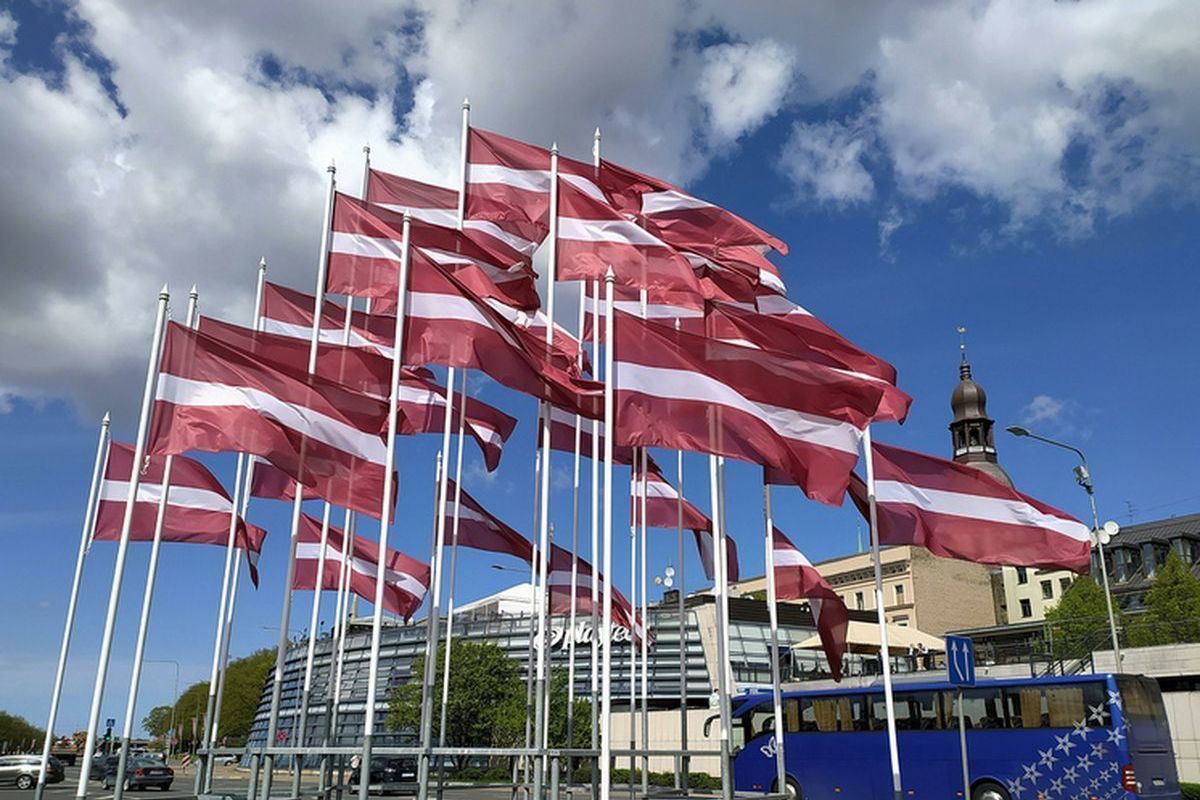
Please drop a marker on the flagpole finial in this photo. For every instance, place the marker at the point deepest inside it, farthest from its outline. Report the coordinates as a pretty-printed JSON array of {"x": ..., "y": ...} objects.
[
  {"x": 554, "y": 149},
  {"x": 194, "y": 292},
  {"x": 466, "y": 103},
  {"x": 262, "y": 263},
  {"x": 609, "y": 275},
  {"x": 106, "y": 419},
  {"x": 596, "y": 135},
  {"x": 332, "y": 168},
  {"x": 367, "y": 149},
  {"x": 164, "y": 293}
]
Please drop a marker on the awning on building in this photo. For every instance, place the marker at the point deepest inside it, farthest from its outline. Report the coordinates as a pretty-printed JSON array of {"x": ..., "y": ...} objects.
[{"x": 863, "y": 637}]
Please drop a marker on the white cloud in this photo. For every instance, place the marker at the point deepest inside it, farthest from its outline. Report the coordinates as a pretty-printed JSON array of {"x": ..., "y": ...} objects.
[
  {"x": 825, "y": 161},
  {"x": 742, "y": 85},
  {"x": 8, "y": 30},
  {"x": 1042, "y": 408}
]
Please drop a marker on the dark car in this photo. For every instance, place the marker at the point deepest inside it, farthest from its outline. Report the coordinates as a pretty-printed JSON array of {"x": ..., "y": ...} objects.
[
  {"x": 390, "y": 774},
  {"x": 140, "y": 772},
  {"x": 101, "y": 764},
  {"x": 23, "y": 770}
]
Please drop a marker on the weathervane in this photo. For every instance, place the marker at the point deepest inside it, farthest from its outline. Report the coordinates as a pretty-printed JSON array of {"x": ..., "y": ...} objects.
[{"x": 962, "y": 342}]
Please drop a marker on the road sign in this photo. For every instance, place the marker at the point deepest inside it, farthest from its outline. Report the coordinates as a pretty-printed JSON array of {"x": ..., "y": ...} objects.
[
  {"x": 960, "y": 661},
  {"x": 110, "y": 723}
]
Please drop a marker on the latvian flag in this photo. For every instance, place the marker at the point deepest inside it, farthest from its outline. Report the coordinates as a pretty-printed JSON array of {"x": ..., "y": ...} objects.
[
  {"x": 404, "y": 588},
  {"x": 559, "y": 578},
  {"x": 480, "y": 530},
  {"x": 198, "y": 508},
  {"x": 214, "y": 397},
  {"x": 797, "y": 579},
  {"x": 957, "y": 511}
]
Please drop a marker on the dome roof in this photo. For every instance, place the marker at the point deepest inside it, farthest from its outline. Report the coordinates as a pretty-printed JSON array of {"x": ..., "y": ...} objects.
[{"x": 969, "y": 400}]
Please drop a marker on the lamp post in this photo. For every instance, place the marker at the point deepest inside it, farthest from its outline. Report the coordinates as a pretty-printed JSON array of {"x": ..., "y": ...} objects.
[
  {"x": 174, "y": 701},
  {"x": 1084, "y": 478}
]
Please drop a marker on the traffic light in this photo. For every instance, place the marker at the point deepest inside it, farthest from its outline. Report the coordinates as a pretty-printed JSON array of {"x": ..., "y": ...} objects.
[{"x": 108, "y": 740}]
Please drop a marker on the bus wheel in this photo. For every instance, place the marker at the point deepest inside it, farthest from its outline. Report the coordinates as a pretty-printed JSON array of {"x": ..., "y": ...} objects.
[
  {"x": 989, "y": 791},
  {"x": 792, "y": 789}
]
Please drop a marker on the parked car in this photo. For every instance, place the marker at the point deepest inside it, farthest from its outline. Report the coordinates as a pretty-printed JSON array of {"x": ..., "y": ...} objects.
[
  {"x": 23, "y": 770},
  {"x": 101, "y": 764},
  {"x": 389, "y": 774},
  {"x": 140, "y": 773}
]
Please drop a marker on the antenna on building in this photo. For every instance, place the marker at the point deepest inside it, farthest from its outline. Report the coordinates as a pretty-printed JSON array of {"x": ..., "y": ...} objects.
[
  {"x": 1129, "y": 511},
  {"x": 962, "y": 343}
]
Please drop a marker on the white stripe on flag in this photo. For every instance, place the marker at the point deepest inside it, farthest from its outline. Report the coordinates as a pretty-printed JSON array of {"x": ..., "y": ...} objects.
[
  {"x": 443, "y": 217},
  {"x": 311, "y": 551},
  {"x": 530, "y": 180},
  {"x": 314, "y": 424},
  {"x": 359, "y": 244},
  {"x": 617, "y": 231},
  {"x": 679, "y": 384},
  {"x": 182, "y": 496},
  {"x": 489, "y": 228},
  {"x": 296, "y": 330},
  {"x": 670, "y": 200},
  {"x": 790, "y": 557},
  {"x": 973, "y": 506}
]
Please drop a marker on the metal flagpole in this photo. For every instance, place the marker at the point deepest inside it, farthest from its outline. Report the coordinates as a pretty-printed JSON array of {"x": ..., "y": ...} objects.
[
  {"x": 301, "y": 732},
  {"x": 343, "y": 617},
  {"x": 719, "y": 590},
  {"x": 682, "y": 780},
  {"x": 85, "y": 537},
  {"x": 533, "y": 572},
  {"x": 139, "y": 650},
  {"x": 645, "y": 634},
  {"x": 574, "y": 553},
  {"x": 884, "y": 651},
  {"x": 595, "y": 512},
  {"x": 381, "y": 570},
  {"x": 773, "y": 614},
  {"x": 462, "y": 415},
  {"x": 544, "y": 523},
  {"x": 634, "y": 513},
  {"x": 245, "y": 465},
  {"x": 114, "y": 597},
  {"x": 285, "y": 613},
  {"x": 606, "y": 669}
]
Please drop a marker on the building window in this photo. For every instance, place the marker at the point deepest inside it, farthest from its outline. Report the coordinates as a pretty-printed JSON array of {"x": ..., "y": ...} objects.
[
  {"x": 901, "y": 620},
  {"x": 858, "y": 600},
  {"x": 1064, "y": 584},
  {"x": 1026, "y": 609},
  {"x": 1047, "y": 590},
  {"x": 1022, "y": 576},
  {"x": 899, "y": 594}
]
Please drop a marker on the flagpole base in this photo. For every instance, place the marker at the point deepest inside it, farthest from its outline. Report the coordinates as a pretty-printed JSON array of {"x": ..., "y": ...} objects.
[{"x": 364, "y": 768}]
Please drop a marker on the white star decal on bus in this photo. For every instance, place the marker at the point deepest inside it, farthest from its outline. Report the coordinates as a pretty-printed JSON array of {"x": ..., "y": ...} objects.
[
  {"x": 1031, "y": 773},
  {"x": 1094, "y": 784},
  {"x": 1047, "y": 758},
  {"x": 1114, "y": 699},
  {"x": 1081, "y": 729},
  {"x": 1097, "y": 713},
  {"x": 1084, "y": 762},
  {"x": 1098, "y": 750},
  {"x": 1056, "y": 786},
  {"x": 1064, "y": 743},
  {"x": 1015, "y": 788},
  {"x": 1071, "y": 774},
  {"x": 1115, "y": 736}
]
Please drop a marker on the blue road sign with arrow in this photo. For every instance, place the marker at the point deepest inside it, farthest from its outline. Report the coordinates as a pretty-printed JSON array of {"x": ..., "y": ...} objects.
[{"x": 960, "y": 661}]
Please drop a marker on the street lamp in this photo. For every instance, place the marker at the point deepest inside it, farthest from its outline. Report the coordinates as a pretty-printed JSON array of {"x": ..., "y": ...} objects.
[
  {"x": 174, "y": 701},
  {"x": 1084, "y": 478}
]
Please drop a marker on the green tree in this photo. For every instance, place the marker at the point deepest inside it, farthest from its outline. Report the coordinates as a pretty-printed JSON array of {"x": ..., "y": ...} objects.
[
  {"x": 19, "y": 732},
  {"x": 1079, "y": 623},
  {"x": 1172, "y": 607},
  {"x": 158, "y": 721},
  {"x": 243, "y": 687}
]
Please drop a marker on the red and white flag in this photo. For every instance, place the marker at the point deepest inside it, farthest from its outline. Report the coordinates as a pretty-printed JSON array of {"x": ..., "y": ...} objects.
[
  {"x": 438, "y": 205},
  {"x": 559, "y": 580},
  {"x": 197, "y": 511},
  {"x": 957, "y": 511},
  {"x": 683, "y": 221},
  {"x": 289, "y": 312},
  {"x": 562, "y": 438},
  {"x": 214, "y": 397},
  {"x": 706, "y": 548},
  {"x": 404, "y": 588},
  {"x": 664, "y": 310},
  {"x": 480, "y": 530},
  {"x": 797, "y": 579},
  {"x": 593, "y": 236},
  {"x": 685, "y": 392},
  {"x": 449, "y": 324},
  {"x": 366, "y": 245},
  {"x": 813, "y": 342}
]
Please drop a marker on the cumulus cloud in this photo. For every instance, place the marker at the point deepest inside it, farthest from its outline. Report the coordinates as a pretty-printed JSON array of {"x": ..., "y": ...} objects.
[
  {"x": 742, "y": 85},
  {"x": 181, "y": 142},
  {"x": 826, "y": 161},
  {"x": 1042, "y": 408},
  {"x": 1057, "y": 416}
]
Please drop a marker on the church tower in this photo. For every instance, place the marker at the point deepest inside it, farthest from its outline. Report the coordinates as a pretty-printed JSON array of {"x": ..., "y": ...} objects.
[{"x": 971, "y": 434}]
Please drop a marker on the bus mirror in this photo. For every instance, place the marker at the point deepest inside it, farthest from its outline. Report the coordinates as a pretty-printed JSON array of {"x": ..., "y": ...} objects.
[{"x": 708, "y": 725}]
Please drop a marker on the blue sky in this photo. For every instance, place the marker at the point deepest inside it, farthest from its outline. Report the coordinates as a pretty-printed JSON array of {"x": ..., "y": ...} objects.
[{"x": 1062, "y": 233}]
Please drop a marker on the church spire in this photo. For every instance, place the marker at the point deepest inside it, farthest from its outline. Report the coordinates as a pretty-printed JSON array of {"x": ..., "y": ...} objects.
[{"x": 971, "y": 433}]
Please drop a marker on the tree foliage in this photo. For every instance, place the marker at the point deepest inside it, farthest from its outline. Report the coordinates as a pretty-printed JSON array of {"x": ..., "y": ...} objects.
[
  {"x": 158, "y": 721},
  {"x": 1079, "y": 623},
  {"x": 243, "y": 687},
  {"x": 487, "y": 700},
  {"x": 18, "y": 732},
  {"x": 1172, "y": 607}
]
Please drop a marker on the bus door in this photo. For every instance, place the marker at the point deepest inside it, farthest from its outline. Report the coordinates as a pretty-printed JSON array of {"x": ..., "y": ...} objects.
[{"x": 1140, "y": 718}]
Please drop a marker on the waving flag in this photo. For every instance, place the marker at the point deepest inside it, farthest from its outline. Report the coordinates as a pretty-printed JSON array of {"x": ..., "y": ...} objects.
[
  {"x": 957, "y": 511},
  {"x": 562, "y": 438},
  {"x": 593, "y": 236},
  {"x": 479, "y": 530},
  {"x": 214, "y": 397},
  {"x": 664, "y": 310},
  {"x": 559, "y": 580},
  {"x": 438, "y": 205},
  {"x": 737, "y": 325},
  {"x": 366, "y": 245},
  {"x": 404, "y": 588},
  {"x": 289, "y": 312},
  {"x": 797, "y": 579},
  {"x": 686, "y": 392}
]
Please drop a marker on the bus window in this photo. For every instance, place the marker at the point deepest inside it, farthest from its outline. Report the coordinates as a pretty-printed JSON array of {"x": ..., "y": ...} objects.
[
  {"x": 925, "y": 711},
  {"x": 760, "y": 721},
  {"x": 855, "y": 714},
  {"x": 982, "y": 708},
  {"x": 1142, "y": 700},
  {"x": 906, "y": 720},
  {"x": 1066, "y": 705},
  {"x": 791, "y": 715},
  {"x": 825, "y": 710},
  {"x": 808, "y": 716},
  {"x": 1026, "y": 707}
]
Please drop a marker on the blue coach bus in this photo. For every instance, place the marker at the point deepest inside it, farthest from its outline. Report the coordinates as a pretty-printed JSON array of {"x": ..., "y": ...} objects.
[{"x": 1084, "y": 737}]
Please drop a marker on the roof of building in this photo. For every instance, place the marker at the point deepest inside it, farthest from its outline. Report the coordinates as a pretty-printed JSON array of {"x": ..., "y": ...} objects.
[{"x": 1158, "y": 530}]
